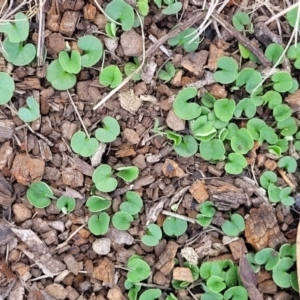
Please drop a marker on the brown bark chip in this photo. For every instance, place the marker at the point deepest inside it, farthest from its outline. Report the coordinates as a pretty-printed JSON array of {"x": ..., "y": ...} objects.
[
  {"x": 115, "y": 293},
  {"x": 171, "y": 169},
  {"x": 27, "y": 170},
  {"x": 131, "y": 136},
  {"x": 183, "y": 274},
  {"x": 55, "y": 43},
  {"x": 166, "y": 260},
  {"x": 194, "y": 62},
  {"x": 175, "y": 122},
  {"x": 72, "y": 178},
  {"x": 105, "y": 271},
  {"x": 21, "y": 212},
  {"x": 261, "y": 228},
  {"x": 199, "y": 191},
  {"x": 57, "y": 291},
  {"x": 68, "y": 22}
]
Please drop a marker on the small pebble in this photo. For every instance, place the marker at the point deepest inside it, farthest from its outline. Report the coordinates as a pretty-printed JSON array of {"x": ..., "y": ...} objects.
[{"x": 102, "y": 246}]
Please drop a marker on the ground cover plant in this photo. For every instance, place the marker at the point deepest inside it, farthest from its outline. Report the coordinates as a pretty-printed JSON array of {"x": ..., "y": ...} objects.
[{"x": 146, "y": 155}]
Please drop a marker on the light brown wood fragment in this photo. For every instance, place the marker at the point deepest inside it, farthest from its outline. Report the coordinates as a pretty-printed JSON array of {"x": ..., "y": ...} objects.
[
  {"x": 7, "y": 129},
  {"x": 199, "y": 191},
  {"x": 125, "y": 152},
  {"x": 183, "y": 274},
  {"x": 104, "y": 271},
  {"x": 238, "y": 248},
  {"x": 166, "y": 260}
]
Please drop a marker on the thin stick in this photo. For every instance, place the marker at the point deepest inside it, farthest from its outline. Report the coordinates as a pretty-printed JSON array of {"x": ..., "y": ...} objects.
[
  {"x": 128, "y": 78},
  {"x": 286, "y": 179},
  {"x": 41, "y": 40},
  {"x": 78, "y": 115},
  {"x": 171, "y": 214},
  {"x": 242, "y": 39}
]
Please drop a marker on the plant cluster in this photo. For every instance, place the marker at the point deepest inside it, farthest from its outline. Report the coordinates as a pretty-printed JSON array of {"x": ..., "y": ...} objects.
[
  {"x": 62, "y": 72},
  {"x": 282, "y": 264}
]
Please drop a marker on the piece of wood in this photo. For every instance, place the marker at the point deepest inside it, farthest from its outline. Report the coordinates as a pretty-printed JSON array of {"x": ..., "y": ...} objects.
[
  {"x": 183, "y": 274},
  {"x": 166, "y": 262},
  {"x": 7, "y": 129}
]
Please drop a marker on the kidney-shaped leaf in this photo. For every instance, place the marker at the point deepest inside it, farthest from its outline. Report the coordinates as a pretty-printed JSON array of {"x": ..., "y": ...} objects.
[
  {"x": 133, "y": 204},
  {"x": 139, "y": 270},
  {"x": 39, "y": 194},
  {"x": 110, "y": 130},
  {"x": 224, "y": 109},
  {"x": 98, "y": 224},
  {"x": 83, "y": 145},
  {"x": 242, "y": 142},
  {"x": 7, "y": 87},
  {"x": 97, "y": 203},
  {"x": 92, "y": 50},
  {"x": 31, "y": 113},
  {"x": 70, "y": 63},
  {"x": 228, "y": 70},
  {"x": 110, "y": 76},
  {"x": 103, "y": 180},
  {"x": 250, "y": 77}
]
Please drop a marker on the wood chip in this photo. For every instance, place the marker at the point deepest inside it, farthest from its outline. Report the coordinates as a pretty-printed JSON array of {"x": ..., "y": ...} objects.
[
  {"x": 238, "y": 248},
  {"x": 7, "y": 130},
  {"x": 175, "y": 122},
  {"x": 131, "y": 136},
  {"x": 72, "y": 264},
  {"x": 57, "y": 291},
  {"x": 21, "y": 212},
  {"x": 104, "y": 271},
  {"x": 183, "y": 274},
  {"x": 199, "y": 191},
  {"x": 171, "y": 169},
  {"x": 6, "y": 234},
  {"x": 166, "y": 260}
]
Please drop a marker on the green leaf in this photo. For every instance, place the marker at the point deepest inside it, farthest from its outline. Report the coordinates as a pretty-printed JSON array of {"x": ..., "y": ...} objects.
[
  {"x": 172, "y": 9},
  {"x": 201, "y": 126},
  {"x": 143, "y": 7},
  {"x": 280, "y": 273},
  {"x": 268, "y": 257},
  {"x": 83, "y": 145},
  {"x": 293, "y": 53},
  {"x": 31, "y": 113},
  {"x": 150, "y": 294},
  {"x": 294, "y": 281},
  {"x": 139, "y": 270},
  {"x": 288, "y": 127},
  {"x": 111, "y": 29},
  {"x": 267, "y": 134},
  {"x": 239, "y": 20},
  {"x": 247, "y": 106},
  {"x": 18, "y": 30},
  {"x": 103, "y": 180},
  {"x": 254, "y": 266},
  {"x": 98, "y": 224},
  {"x": 289, "y": 163},
  {"x": 187, "y": 148},
  {"x": 246, "y": 53},
  {"x": 122, "y": 220},
  {"x": 274, "y": 193},
  {"x": 174, "y": 227},
  {"x": 182, "y": 108},
  {"x": 236, "y": 293},
  {"x": 168, "y": 73},
  {"x": 97, "y": 203},
  {"x": 133, "y": 204},
  {"x": 152, "y": 236},
  {"x": 66, "y": 204},
  {"x": 130, "y": 68},
  {"x": 224, "y": 109},
  {"x": 285, "y": 197},
  {"x": 129, "y": 173},
  {"x": 282, "y": 112},
  {"x": 287, "y": 250},
  {"x": 175, "y": 137},
  {"x": 120, "y": 11},
  {"x": 272, "y": 98},
  {"x": 92, "y": 50},
  {"x": 208, "y": 269},
  {"x": 228, "y": 72},
  {"x": 7, "y": 87},
  {"x": 110, "y": 130},
  {"x": 212, "y": 150},
  {"x": 72, "y": 63},
  {"x": 18, "y": 54},
  {"x": 242, "y": 142},
  {"x": 208, "y": 100},
  {"x": 184, "y": 38},
  {"x": 267, "y": 178},
  {"x": 59, "y": 78},
  {"x": 235, "y": 226},
  {"x": 250, "y": 77},
  {"x": 235, "y": 164},
  {"x": 292, "y": 16},
  {"x": 39, "y": 194},
  {"x": 111, "y": 76},
  {"x": 216, "y": 284},
  {"x": 282, "y": 81},
  {"x": 273, "y": 53},
  {"x": 254, "y": 126}
]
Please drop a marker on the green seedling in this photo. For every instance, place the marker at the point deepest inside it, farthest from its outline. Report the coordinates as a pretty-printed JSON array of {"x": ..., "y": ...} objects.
[
  {"x": 39, "y": 194},
  {"x": 133, "y": 203},
  {"x": 122, "y": 220},
  {"x": 18, "y": 30},
  {"x": 280, "y": 147},
  {"x": 110, "y": 130},
  {"x": 246, "y": 53},
  {"x": 168, "y": 73},
  {"x": 274, "y": 193},
  {"x": 294, "y": 281},
  {"x": 292, "y": 16},
  {"x": 210, "y": 268},
  {"x": 139, "y": 269},
  {"x": 251, "y": 260},
  {"x": 293, "y": 53},
  {"x": 223, "y": 134},
  {"x": 267, "y": 134},
  {"x": 150, "y": 294},
  {"x": 246, "y": 106},
  {"x": 173, "y": 7},
  {"x": 92, "y": 50},
  {"x": 216, "y": 284},
  {"x": 143, "y": 7},
  {"x": 287, "y": 250},
  {"x": 30, "y": 113},
  {"x": 128, "y": 174},
  {"x": 289, "y": 163},
  {"x": 66, "y": 204},
  {"x": 111, "y": 29},
  {"x": 235, "y": 226},
  {"x": 242, "y": 142},
  {"x": 295, "y": 86},
  {"x": 273, "y": 53},
  {"x": 83, "y": 145},
  {"x": 182, "y": 108},
  {"x": 282, "y": 81},
  {"x": 174, "y": 227},
  {"x": 175, "y": 137},
  {"x": 131, "y": 67},
  {"x": 267, "y": 178},
  {"x": 201, "y": 127},
  {"x": 217, "y": 123},
  {"x": 212, "y": 150},
  {"x": 249, "y": 77},
  {"x": 207, "y": 212},
  {"x": 209, "y": 294},
  {"x": 110, "y": 76},
  {"x": 208, "y": 100},
  {"x": 184, "y": 39},
  {"x": 171, "y": 297},
  {"x": 134, "y": 290},
  {"x": 224, "y": 109},
  {"x": 232, "y": 130},
  {"x": 153, "y": 235},
  {"x": 268, "y": 257},
  {"x": 228, "y": 70},
  {"x": 288, "y": 127},
  {"x": 97, "y": 203},
  {"x": 281, "y": 275},
  {"x": 98, "y": 224},
  {"x": 272, "y": 98},
  {"x": 236, "y": 293},
  {"x": 187, "y": 148},
  {"x": 122, "y": 12},
  {"x": 70, "y": 63},
  {"x": 7, "y": 87},
  {"x": 285, "y": 197},
  {"x": 59, "y": 78},
  {"x": 18, "y": 54},
  {"x": 103, "y": 180},
  {"x": 282, "y": 112},
  {"x": 179, "y": 284},
  {"x": 240, "y": 20},
  {"x": 235, "y": 164}
]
